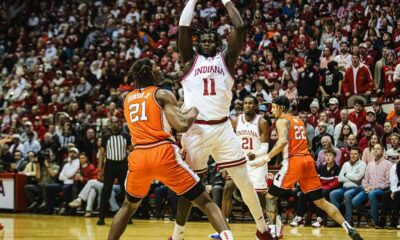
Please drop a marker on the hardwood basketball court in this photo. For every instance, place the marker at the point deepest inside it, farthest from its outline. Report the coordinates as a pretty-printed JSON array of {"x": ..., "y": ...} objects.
[{"x": 39, "y": 227}]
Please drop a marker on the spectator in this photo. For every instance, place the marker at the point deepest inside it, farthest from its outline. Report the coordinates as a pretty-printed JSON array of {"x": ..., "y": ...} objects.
[
  {"x": 357, "y": 82},
  {"x": 393, "y": 116},
  {"x": 351, "y": 142},
  {"x": 291, "y": 92},
  {"x": 314, "y": 116},
  {"x": 344, "y": 116},
  {"x": 307, "y": 85},
  {"x": 386, "y": 139},
  {"x": 48, "y": 172},
  {"x": 87, "y": 145},
  {"x": 344, "y": 57},
  {"x": 6, "y": 159},
  {"x": 368, "y": 153},
  {"x": 371, "y": 120},
  {"x": 358, "y": 116},
  {"x": 17, "y": 145},
  {"x": 387, "y": 85},
  {"x": 326, "y": 58},
  {"x": 87, "y": 170},
  {"x": 380, "y": 114},
  {"x": 375, "y": 182},
  {"x": 350, "y": 176},
  {"x": 326, "y": 144},
  {"x": 378, "y": 68},
  {"x": 323, "y": 117},
  {"x": 334, "y": 111},
  {"x": 344, "y": 134},
  {"x": 316, "y": 142},
  {"x": 332, "y": 81},
  {"x": 67, "y": 174},
  {"x": 393, "y": 154},
  {"x": 31, "y": 144},
  {"x": 368, "y": 131},
  {"x": 395, "y": 194},
  {"x": 308, "y": 126}
]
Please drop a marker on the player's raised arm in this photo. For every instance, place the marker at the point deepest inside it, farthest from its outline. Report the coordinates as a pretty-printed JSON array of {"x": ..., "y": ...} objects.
[
  {"x": 180, "y": 121},
  {"x": 236, "y": 38},
  {"x": 185, "y": 43},
  {"x": 282, "y": 126}
]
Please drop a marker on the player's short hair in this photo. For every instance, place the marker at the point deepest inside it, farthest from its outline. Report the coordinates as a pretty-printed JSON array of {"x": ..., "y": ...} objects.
[
  {"x": 141, "y": 72},
  {"x": 252, "y": 97},
  {"x": 283, "y": 102},
  {"x": 200, "y": 30}
]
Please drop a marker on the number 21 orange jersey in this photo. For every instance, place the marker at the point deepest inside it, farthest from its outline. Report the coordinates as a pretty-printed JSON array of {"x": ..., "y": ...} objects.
[
  {"x": 145, "y": 117},
  {"x": 297, "y": 145}
]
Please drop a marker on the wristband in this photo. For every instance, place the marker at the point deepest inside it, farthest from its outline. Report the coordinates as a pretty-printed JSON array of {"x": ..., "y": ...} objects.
[
  {"x": 267, "y": 159},
  {"x": 225, "y": 2}
]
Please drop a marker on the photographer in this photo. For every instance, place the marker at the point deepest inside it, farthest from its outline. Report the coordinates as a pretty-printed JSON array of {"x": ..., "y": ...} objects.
[{"x": 46, "y": 174}]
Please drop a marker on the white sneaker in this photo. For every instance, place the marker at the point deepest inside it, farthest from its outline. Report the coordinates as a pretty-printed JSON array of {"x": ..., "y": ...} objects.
[
  {"x": 319, "y": 223},
  {"x": 76, "y": 203},
  {"x": 296, "y": 221}
]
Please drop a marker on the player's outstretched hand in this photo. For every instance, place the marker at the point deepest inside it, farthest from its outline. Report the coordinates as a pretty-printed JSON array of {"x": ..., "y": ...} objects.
[{"x": 258, "y": 164}]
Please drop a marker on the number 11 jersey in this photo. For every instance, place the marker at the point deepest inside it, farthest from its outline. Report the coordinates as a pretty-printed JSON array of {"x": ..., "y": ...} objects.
[{"x": 208, "y": 86}]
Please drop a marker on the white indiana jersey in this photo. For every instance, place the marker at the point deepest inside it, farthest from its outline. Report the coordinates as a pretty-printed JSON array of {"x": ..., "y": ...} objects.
[
  {"x": 208, "y": 87},
  {"x": 249, "y": 133}
]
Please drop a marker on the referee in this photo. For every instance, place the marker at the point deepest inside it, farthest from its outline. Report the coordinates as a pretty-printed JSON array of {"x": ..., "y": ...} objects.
[{"x": 113, "y": 151}]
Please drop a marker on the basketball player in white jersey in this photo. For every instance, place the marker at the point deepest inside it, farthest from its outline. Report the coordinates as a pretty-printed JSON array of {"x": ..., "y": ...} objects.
[
  {"x": 253, "y": 132},
  {"x": 208, "y": 85}
]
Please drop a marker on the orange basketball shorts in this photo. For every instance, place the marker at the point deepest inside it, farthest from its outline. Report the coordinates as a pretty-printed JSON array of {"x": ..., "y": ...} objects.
[
  {"x": 299, "y": 169},
  {"x": 161, "y": 162}
]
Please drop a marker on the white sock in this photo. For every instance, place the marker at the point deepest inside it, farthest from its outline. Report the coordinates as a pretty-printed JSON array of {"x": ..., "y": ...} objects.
[
  {"x": 227, "y": 220},
  {"x": 272, "y": 228},
  {"x": 240, "y": 177},
  {"x": 226, "y": 235},
  {"x": 178, "y": 232},
  {"x": 346, "y": 226}
]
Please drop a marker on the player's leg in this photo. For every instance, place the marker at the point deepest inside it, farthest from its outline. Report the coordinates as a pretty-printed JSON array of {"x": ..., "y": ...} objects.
[
  {"x": 121, "y": 219},
  {"x": 310, "y": 184},
  {"x": 227, "y": 153},
  {"x": 181, "y": 179},
  {"x": 249, "y": 195},
  {"x": 196, "y": 154},
  {"x": 137, "y": 185},
  {"x": 227, "y": 198},
  {"x": 185, "y": 206}
]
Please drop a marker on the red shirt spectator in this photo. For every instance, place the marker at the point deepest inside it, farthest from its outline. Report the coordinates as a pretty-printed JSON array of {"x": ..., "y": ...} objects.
[
  {"x": 358, "y": 116},
  {"x": 357, "y": 79}
]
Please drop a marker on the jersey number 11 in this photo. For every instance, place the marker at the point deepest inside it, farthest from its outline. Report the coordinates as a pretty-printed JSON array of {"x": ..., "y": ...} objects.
[{"x": 212, "y": 87}]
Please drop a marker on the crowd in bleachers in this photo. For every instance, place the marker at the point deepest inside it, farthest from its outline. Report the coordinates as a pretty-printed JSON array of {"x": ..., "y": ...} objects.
[{"x": 63, "y": 68}]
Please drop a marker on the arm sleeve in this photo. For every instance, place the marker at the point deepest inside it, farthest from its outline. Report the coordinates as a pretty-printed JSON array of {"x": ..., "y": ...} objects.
[{"x": 187, "y": 13}]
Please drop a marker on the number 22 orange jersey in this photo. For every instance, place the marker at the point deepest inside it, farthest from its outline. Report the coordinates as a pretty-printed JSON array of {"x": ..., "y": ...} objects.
[
  {"x": 145, "y": 117},
  {"x": 297, "y": 145}
]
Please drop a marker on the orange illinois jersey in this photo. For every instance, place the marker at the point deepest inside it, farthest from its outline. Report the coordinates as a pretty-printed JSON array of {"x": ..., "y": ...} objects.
[
  {"x": 145, "y": 117},
  {"x": 297, "y": 145}
]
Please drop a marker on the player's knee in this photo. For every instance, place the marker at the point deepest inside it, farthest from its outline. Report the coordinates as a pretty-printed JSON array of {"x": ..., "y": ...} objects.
[
  {"x": 229, "y": 188},
  {"x": 272, "y": 205}
]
